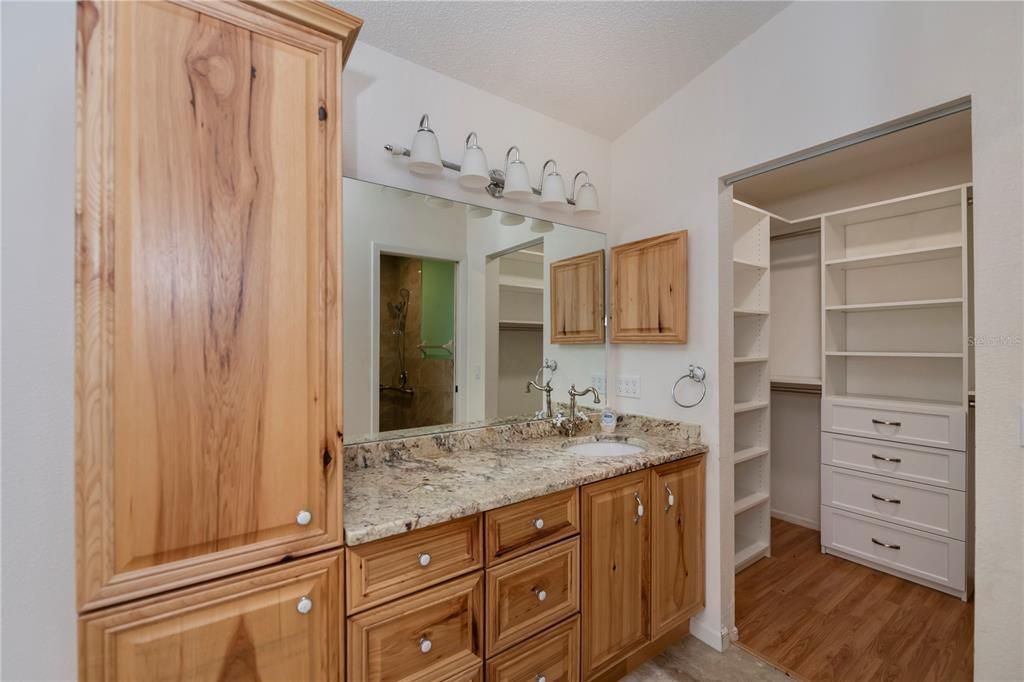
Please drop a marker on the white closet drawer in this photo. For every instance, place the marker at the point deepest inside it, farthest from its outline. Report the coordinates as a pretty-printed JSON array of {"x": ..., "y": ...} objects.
[
  {"x": 925, "y": 507},
  {"x": 918, "y": 423},
  {"x": 930, "y": 557},
  {"x": 934, "y": 466}
]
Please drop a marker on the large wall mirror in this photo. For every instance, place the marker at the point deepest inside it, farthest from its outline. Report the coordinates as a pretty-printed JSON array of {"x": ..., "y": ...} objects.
[{"x": 449, "y": 312}]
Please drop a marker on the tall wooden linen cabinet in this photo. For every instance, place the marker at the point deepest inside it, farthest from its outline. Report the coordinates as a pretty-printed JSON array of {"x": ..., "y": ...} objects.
[{"x": 208, "y": 386}]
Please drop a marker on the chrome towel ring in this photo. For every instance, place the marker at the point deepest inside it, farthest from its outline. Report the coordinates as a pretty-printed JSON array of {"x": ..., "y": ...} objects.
[{"x": 697, "y": 374}]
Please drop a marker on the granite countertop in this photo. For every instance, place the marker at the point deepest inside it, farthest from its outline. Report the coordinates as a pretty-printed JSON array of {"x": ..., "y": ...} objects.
[{"x": 408, "y": 487}]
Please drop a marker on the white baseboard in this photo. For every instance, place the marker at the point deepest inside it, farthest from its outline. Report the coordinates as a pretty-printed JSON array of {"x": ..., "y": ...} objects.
[
  {"x": 813, "y": 524},
  {"x": 712, "y": 636}
]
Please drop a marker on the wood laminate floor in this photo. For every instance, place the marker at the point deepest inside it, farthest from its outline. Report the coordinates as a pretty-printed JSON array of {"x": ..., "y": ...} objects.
[{"x": 820, "y": 617}]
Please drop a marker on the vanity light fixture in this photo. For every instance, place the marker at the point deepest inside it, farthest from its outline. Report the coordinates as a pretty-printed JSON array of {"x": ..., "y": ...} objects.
[
  {"x": 586, "y": 199},
  {"x": 552, "y": 189},
  {"x": 474, "y": 173},
  {"x": 541, "y": 226},
  {"x": 517, "y": 176},
  {"x": 425, "y": 157},
  {"x": 513, "y": 181}
]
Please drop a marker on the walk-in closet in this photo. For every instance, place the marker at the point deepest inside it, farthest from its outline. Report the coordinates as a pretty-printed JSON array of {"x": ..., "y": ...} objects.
[{"x": 853, "y": 373}]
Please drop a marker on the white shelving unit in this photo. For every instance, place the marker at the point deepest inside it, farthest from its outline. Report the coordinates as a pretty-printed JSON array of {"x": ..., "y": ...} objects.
[
  {"x": 896, "y": 370},
  {"x": 752, "y": 458}
]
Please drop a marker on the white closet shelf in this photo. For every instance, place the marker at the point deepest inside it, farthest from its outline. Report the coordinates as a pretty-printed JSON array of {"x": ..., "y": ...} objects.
[
  {"x": 744, "y": 312},
  {"x": 805, "y": 381},
  {"x": 900, "y": 257},
  {"x": 750, "y": 501},
  {"x": 739, "y": 262},
  {"x": 889, "y": 354},
  {"x": 895, "y": 305},
  {"x": 750, "y": 358},
  {"x": 748, "y": 553},
  {"x": 751, "y": 405},
  {"x": 897, "y": 402},
  {"x": 749, "y": 453}
]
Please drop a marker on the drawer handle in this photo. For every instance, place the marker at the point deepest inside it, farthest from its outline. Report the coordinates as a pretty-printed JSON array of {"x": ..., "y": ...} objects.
[
  {"x": 538, "y": 523},
  {"x": 882, "y": 422},
  {"x": 541, "y": 594},
  {"x": 884, "y": 544},
  {"x": 304, "y": 605},
  {"x": 541, "y": 678},
  {"x": 894, "y": 460},
  {"x": 424, "y": 559},
  {"x": 891, "y": 500},
  {"x": 639, "y": 508},
  {"x": 425, "y": 645},
  {"x": 671, "y": 498},
  {"x": 303, "y": 518}
]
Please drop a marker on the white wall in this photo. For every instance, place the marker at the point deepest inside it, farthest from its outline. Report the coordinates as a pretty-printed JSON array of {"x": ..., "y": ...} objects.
[
  {"x": 384, "y": 97},
  {"x": 37, "y": 490},
  {"x": 815, "y": 72}
]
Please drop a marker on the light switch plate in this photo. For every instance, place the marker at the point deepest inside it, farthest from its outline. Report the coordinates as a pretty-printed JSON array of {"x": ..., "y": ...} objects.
[{"x": 628, "y": 386}]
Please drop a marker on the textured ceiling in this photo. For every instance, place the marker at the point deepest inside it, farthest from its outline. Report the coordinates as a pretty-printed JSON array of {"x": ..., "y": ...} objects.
[{"x": 600, "y": 66}]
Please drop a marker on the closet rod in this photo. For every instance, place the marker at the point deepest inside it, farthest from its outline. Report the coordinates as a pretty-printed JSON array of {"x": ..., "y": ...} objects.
[{"x": 794, "y": 235}]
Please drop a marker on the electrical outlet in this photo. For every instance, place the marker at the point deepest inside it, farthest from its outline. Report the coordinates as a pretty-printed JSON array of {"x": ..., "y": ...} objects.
[
  {"x": 597, "y": 381},
  {"x": 628, "y": 386}
]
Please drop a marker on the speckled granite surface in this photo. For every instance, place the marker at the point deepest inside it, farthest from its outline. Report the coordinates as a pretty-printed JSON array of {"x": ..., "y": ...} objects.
[{"x": 393, "y": 487}]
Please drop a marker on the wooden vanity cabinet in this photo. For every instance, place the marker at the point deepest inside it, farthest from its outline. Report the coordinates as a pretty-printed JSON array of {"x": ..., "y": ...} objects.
[
  {"x": 616, "y": 568},
  {"x": 281, "y": 623},
  {"x": 677, "y": 543},
  {"x": 208, "y": 281}
]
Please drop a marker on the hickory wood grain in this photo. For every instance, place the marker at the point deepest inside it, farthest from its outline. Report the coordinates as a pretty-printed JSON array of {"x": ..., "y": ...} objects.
[
  {"x": 512, "y": 530},
  {"x": 616, "y": 570},
  {"x": 649, "y": 290},
  {"x": 577, "y": 299},
  {"x": 553, "y": 654},
  {"x": 246, "y": 627},
  {"x": 677, "y": 543},
  {"x": 823, "y": 618},
  {"x": 208, "y": 287}
]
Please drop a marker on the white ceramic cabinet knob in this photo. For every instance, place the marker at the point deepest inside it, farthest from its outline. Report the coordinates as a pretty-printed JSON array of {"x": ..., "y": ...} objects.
[
  {"x": 304, "y": 606},
  {"x": 538, "y": 523},
  {"x": 541, "y": 594},
  {"x": 303, "y": 518},
  {"x": 541, "y": 678},
  {"x": 424, "y": 559},
  {"x": 425, "y": 645}
]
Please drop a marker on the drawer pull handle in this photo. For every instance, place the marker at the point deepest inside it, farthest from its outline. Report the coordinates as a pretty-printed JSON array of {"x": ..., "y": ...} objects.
[
  {"x": 894, "y": 460},
  {"x": 538, "y": 523},
  {"x": 639, "y": 508},
  {"x": 425, "y": 645},
  {"x": 671, "y": 498},
  {"x": 882, "y": 422},
  {"x": 304, "y": 606},
  {"x": 541, "y": 594},
  {"x": 424, "y": 559},
  {"x": 891, "y": 500},
  {"x": 884, "y": 544},
  {"x": 541, "y": 678},
  {"x": 303, "y": 518}
]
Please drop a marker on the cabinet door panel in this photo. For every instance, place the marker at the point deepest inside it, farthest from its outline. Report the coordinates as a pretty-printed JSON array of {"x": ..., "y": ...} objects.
[
  {"x": 649, "y": 282},
  {"x": 248, "y": 628},
  {"x": 677, "y": 543},
  {"x": 616, "y": 569},
  {"x": 205, "y": 317}
]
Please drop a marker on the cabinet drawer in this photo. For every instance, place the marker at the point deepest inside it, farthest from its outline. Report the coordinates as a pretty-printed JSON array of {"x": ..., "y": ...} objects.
[
  {"x": 393, "y": 567},
  {"x": 520, "y": 528},
  {"x": 925, "y": 507},
  {"x": 282, "y": 623},
  {"x": 924, "y": 555},
  {"x": 474, "y": 674},
  {"x": 433, "y": 635},
  {"x": 918, "y": 423},
  {"x": 532, "y": 592},
  {"x": 934, "y": 466},
  {"x": 553, "y": 655}
]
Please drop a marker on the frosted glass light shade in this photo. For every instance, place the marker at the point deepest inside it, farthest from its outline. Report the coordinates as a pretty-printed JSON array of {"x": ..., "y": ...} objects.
[
  {"x": 511, "y": 219},
  {"x": 474, "y": 173},
  {"x": 586, "y": 199},
  {"x": 552, "y": 191},
  {"x": 541, "y": 226},
  {"x": 425, "y": 157},
  {"x": 517, "y": 181}
]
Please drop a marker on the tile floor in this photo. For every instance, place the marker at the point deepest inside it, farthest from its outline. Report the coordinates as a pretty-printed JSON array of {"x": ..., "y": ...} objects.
[{"x": 690, "y": 660}]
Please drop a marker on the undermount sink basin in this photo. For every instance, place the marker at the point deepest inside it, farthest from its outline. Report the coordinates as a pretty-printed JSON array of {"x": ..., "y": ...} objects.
[{"x": 604, "y": 448}]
